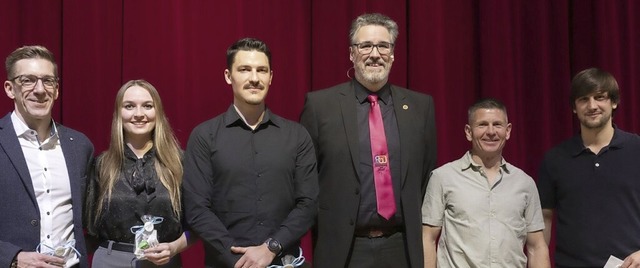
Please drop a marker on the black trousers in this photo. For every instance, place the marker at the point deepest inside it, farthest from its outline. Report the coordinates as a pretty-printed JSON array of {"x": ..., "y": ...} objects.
[{"x": 379, "y": 252}]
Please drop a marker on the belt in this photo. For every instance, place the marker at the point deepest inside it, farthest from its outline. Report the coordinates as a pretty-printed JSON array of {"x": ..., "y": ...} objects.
[
  {"x": 377, "y": 232},
  {"x": 126, "y": 247}
]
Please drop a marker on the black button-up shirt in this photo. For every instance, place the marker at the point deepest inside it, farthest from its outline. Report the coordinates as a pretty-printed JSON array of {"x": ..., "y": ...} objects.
[
  {"x": 368, "y": 213},
  {"x": 137, "y": 192},
  {"x": 242, "y": 186}
]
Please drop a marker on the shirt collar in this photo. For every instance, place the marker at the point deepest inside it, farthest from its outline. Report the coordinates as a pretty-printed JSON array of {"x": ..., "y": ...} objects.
[
  {"x": 232, "y": 118},
  {"x": 468, "y": 163},
  {"x": 128, "y": 153},
  {"x": 617, "y": 142},
  {"x": 384, "y": 94},
  {"x": 23, "y": 131},
  {"x": 618, "y": 139}
]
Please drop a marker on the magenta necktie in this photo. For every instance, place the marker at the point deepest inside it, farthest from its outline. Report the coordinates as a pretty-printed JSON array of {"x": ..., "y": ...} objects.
[{"x": 381, "y": 172}]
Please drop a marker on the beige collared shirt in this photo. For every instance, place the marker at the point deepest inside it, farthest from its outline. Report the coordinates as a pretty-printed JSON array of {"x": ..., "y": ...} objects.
[
  {"x": 482, "y": 225},
  {"x": 48, "y": 170}
]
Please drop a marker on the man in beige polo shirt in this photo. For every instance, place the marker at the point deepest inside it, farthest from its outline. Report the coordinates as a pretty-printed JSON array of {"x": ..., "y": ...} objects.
[{"x": 484, "y": 209}]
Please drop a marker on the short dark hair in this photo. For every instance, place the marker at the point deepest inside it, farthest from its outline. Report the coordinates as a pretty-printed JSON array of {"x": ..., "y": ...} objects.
[
  {"x": 594, "y": 80},
  {"x": 28, "y": 52},
  {"x": 486, "y": 103},
  {"x": 246, "y": 44}
]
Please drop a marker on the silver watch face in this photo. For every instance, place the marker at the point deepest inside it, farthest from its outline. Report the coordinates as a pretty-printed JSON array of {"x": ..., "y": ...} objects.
[{"x": 274, "y": 245}]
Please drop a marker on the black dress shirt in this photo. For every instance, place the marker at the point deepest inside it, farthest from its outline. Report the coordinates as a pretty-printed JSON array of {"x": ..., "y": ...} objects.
[
  {"x": 368, "y": 213},
  {"x": 242, "y": 186},
  {"x": 137, "y": 192}
]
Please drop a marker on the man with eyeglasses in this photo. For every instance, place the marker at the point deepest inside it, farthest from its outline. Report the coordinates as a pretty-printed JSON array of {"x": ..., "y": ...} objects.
[
  {"x": 376, "y": 145},
  {"x": 44, "y": 166}
]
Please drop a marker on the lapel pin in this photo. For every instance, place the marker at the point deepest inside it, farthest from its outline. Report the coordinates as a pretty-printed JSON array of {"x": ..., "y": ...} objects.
[
  {"x": 405, "y": 107},
  {"x": 71, "y": 139}
]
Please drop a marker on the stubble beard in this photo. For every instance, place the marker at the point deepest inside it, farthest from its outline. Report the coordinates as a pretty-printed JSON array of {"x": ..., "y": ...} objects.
[{"x": 598, "y": 124}]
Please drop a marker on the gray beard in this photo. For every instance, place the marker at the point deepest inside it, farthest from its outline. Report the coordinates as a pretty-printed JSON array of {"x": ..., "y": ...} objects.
[{"x": 374, "y": 77}]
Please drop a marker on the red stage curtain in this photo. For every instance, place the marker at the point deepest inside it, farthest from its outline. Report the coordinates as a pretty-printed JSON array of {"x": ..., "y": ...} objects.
[{"x": 522, "y": 52}]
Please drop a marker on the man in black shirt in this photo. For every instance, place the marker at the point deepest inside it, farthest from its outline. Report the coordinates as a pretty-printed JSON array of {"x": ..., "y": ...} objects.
[
  {"x": 591, "y": 181},
  {"x": 250, "y": 180}
]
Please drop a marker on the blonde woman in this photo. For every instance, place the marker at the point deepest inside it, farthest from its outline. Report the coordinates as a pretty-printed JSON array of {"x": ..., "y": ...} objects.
[{"x": 140, "y": 174}]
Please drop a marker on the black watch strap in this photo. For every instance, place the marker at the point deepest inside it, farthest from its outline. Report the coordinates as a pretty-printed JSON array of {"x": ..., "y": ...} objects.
[{"x": 274, "y": 246}]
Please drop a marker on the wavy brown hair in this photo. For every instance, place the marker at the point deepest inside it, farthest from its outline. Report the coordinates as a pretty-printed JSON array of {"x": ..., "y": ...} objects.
[{"x": 168, "y": 164}]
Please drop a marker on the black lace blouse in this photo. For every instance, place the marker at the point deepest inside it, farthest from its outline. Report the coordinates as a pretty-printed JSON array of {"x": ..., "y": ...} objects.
[{"x": 138, "y": 192}]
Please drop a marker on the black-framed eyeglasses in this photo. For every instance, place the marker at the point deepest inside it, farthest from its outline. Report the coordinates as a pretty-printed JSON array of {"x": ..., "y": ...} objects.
[
  {"x": 29, "y": 81},
  {"x": 384, "y": 48}
]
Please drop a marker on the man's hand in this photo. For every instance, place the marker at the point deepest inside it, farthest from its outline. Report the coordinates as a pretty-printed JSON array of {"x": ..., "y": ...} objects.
[
  {"x": 632, "y": 261},
  {"x": 253, "y": 257},
  {"x": 37, "y": 260},
  {"x": 160, "y": 254}
]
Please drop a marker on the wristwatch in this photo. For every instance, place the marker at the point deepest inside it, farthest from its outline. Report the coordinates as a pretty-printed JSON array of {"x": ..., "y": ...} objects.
[
  {"x": 274, "y": 246},
  {"x": 14, "y": 263}
]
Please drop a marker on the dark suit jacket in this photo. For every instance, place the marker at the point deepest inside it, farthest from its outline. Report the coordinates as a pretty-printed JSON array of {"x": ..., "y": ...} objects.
[
  {"x": 20, "y": 226},
  {"x": 330, "y": 117}
]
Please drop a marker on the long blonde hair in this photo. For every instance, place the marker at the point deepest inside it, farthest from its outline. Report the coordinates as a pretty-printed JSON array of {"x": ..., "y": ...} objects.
[{"x": 168, "y": 164}]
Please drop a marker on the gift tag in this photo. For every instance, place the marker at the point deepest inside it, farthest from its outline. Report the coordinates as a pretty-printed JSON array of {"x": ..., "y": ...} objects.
[
  {"x": 145, "y": 235},
  {"x": 613, "y": 262}
]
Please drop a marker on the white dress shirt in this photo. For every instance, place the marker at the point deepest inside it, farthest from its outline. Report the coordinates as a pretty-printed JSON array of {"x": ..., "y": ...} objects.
[{"x": 50, "y": 179}]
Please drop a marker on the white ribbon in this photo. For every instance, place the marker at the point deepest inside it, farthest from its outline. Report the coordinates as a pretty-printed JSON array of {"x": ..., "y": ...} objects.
[
  {"x": 63, "y": 251},
  {"x": 288, "y": 262}
]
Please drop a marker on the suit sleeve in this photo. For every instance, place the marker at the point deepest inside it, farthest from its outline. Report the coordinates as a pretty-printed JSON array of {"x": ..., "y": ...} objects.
[
  {"x": 307, "y": 119},
  {"x": 431, "y": 142},
  {"x": 8, "y": 251},
  {"x": 197, "y": 192}
]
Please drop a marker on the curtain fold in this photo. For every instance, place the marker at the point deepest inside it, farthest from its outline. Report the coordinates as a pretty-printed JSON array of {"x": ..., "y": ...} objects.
[{"x": 521, "y": 52}]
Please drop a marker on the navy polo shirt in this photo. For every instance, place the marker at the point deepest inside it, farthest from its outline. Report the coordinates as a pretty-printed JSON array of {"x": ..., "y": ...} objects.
[{"x": 596, "y": 197}]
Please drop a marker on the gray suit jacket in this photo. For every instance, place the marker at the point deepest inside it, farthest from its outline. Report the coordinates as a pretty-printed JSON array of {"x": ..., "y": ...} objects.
[
  {"x": 330, "y": 117},
  {"x": 20, "y": 226}
]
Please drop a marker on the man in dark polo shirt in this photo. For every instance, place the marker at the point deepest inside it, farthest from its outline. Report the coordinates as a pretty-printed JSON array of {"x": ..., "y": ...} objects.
[
  {"x": 592, "y": 181},
  {"x": 250, "y": 179}
]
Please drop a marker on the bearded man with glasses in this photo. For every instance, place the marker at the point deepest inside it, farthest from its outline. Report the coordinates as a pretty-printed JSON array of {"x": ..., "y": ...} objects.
[
  {"x": 376, "y": 145},
  {"x": 44, "y": 167}
]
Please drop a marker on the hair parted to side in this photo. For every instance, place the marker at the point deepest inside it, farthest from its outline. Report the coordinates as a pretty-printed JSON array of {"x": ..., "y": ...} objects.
[
  {"x": 594, "y": 80},
  {"x": 373, "y": 19},
  {"x": 168, "y": 164},
  {"x": 246, "y": 44},
  {"x": 28, "y": 52},
  {"x": 486, "y": 103}
]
